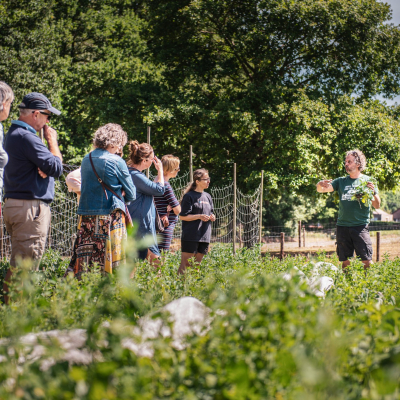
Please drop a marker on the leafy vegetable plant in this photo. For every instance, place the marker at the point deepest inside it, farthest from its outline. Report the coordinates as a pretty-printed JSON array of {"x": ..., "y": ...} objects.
[{"x": 364, "y": 193}]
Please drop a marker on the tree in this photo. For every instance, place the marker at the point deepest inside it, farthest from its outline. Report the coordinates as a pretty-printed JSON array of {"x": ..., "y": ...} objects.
[{"x": 264, "y": 83}]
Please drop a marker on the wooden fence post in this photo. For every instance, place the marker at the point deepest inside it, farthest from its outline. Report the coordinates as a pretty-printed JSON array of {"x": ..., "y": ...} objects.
[
  {"x": 304, "y": 236},
  {"x": 299, "y": 228},
  {"x": 234, "y": 209},
  {"x": 191, "y": 163},
  {"x": 261, "y": 205},
  {"x": 282, "y": 245},
  {"x": 148, "y": 141},
  {"x": 378, "y": 245}
]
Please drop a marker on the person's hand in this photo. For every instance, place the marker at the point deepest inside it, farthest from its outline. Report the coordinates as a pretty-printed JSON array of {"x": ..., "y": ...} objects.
[
  {"x": 49, "y": 133},
  {"x": 158, "y": 164},
  {"x": 371, "y": 186},
  {"x": 325, "y": 183},
  {"x": 42, "y": 174},
  {"x": 212, "y": 217},
  {"x": 169, "y": 208},
  {"x": 204, "y": 217}
]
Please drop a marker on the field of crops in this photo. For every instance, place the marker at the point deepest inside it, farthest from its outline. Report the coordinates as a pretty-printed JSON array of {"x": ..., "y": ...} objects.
[{"x": 266, "y": 337}]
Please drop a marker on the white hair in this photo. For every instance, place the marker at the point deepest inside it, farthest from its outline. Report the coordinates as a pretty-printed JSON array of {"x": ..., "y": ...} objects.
[
  {"x": 6, "y": 94},
  {"x": 25, "y": 111}
]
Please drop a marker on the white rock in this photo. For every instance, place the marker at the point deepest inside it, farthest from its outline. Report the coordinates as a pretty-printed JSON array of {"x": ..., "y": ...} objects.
[{"x": 320, "y": 285}]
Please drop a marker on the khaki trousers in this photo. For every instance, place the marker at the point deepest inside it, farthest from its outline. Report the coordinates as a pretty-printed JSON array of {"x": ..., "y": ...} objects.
[{"x": 27, "y": 222}]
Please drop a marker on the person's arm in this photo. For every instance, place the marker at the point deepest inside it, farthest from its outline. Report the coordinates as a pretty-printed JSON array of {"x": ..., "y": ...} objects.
[
  {"x": 51, "y": 136},
  {"x": 125, "y": 179},
  {"x": 194, "y": 217},
  {"x": 325, "y": 186},
  {"x": 376, "y": 202},
  {"x": 36, "y": 152},
  {"x": 173, "y": 203},
  {"x": 146, "y": 186},
  {"x": 160, "y": 176},
  {"x": 3, "y": 153},
  {"x": 212, "y": 215}
]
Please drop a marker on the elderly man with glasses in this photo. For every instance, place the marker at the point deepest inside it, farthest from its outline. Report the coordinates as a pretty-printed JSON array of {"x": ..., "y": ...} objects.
[{"x": 29, "y": 179}]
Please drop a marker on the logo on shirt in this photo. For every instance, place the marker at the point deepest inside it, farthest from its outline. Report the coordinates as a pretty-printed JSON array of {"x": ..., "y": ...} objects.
[
  {"x": 349, "y": 191},
  {"x": 203, "y": 202}
]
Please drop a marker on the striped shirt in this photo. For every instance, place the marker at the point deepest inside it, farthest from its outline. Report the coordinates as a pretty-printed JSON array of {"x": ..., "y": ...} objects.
[{"x": 168, "y": 198}]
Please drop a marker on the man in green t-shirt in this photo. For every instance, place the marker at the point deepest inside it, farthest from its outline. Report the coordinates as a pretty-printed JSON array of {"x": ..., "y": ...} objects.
[{"x": 352, "y": 224}]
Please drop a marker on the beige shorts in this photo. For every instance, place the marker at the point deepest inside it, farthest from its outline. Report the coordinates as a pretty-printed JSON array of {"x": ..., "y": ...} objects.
[{"x": 27, "y": 222}]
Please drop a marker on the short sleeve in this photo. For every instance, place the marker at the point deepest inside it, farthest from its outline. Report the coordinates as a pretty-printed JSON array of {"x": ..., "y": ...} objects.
[
  {"x": 186, "y": 206},
  {"x": 335, "y": 184},
  {"x": 169, "y": 195}
]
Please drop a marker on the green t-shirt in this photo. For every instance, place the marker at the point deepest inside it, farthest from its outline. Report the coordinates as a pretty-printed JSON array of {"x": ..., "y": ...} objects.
[{"x": 350, "y": 212}]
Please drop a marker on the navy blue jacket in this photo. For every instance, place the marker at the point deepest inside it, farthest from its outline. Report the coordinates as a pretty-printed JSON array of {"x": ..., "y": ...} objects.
[{"x": 27, "y": 153}]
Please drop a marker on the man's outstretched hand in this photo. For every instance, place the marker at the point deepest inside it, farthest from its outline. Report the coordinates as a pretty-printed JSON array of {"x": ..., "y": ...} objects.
[{"x": 325, "y": 183}]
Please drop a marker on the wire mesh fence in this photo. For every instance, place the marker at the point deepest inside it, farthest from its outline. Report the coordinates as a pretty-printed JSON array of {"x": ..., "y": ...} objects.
[{"x": 64, "y": 219}]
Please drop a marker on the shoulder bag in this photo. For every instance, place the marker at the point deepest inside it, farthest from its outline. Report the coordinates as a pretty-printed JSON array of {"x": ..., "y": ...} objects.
[{"x": 159, "y": 221}]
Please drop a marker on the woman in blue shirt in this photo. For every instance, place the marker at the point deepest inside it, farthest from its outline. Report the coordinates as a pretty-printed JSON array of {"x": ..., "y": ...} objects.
[
  {"x": 102, "y": 226},
  {"x": 142, "y": 210}
]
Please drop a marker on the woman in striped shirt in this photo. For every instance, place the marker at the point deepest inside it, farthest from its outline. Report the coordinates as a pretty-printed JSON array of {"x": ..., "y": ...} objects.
[{"x": 167, "y": 204}]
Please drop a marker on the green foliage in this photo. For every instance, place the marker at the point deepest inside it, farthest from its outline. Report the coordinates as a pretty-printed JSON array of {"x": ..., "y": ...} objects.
[
  {"x": 268, "y": 84},
  {"x": 390, "y": 200},
  {"x": 363, "y": 193},
  {"x": 274, "y": 338}
]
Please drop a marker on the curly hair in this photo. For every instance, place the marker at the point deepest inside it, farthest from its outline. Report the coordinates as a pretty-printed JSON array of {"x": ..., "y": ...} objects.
[
  {"x": 359, "y": 157},
  {"x": 6, "y": 94},
  {"x": 138, "y": 152},
  {"x": 110, "y": 135}
]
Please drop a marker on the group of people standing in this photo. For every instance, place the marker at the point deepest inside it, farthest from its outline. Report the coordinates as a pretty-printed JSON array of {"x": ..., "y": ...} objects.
[{"x": 111, "y": 193}]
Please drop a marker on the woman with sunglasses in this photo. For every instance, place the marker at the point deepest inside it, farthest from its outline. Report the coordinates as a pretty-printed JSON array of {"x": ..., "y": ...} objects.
[
  {"x": 142, "y": 210},
  {"x": 168, "y": 202},
  {"x": 6, "y": 99},
  {"x": 197, "y": 214}
]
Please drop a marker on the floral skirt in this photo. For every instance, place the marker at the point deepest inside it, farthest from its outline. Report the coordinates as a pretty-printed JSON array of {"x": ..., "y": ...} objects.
[{"x": 100, "y": 241}]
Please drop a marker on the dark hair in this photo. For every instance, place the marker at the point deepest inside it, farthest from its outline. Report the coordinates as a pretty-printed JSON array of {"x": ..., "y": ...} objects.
[
  {"x": 138, "y": 152},
  {"x": 197, "y": 175}
]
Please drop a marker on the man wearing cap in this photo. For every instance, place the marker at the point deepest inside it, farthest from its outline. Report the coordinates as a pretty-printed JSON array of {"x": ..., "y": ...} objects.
[{"x": 29, "y": 179}]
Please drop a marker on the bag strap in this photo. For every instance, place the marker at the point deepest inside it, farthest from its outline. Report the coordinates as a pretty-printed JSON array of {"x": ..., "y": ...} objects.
[{"x": 104, "y": 186}]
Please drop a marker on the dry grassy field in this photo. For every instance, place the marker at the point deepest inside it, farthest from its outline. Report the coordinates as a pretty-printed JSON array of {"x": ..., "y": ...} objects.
[{"x": 390, "y": 246}]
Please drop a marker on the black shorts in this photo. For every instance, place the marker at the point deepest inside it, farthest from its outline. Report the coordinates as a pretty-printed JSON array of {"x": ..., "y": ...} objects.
[
  {"x": 194, "y": 247},
  {"x": 353, "y": 238}
]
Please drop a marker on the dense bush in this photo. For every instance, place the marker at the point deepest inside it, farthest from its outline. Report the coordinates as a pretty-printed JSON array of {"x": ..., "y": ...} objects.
[{"x": 275, "y": 338}]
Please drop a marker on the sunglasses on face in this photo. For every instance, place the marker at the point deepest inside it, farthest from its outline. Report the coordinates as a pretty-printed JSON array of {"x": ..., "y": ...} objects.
[{"x": 42, "y": 112}]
